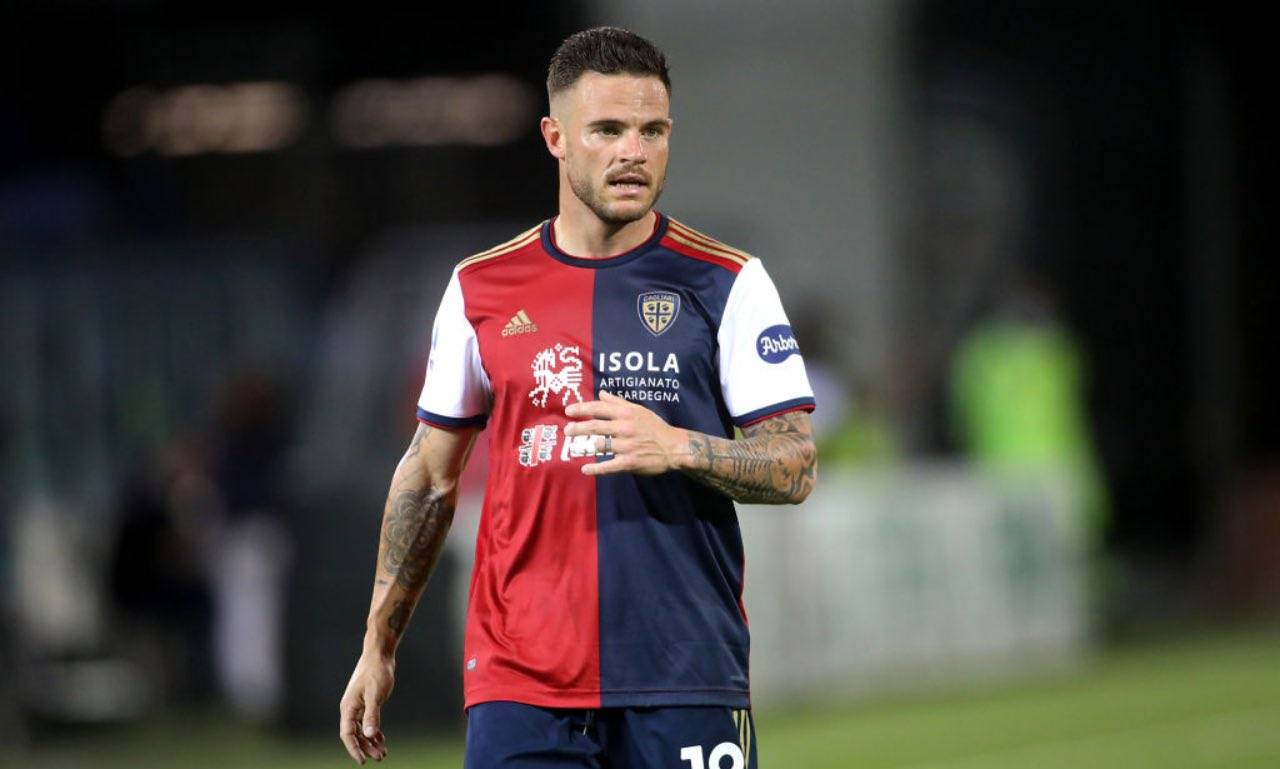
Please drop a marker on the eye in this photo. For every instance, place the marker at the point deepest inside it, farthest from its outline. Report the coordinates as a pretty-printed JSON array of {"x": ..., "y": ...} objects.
[{"x": 608, "y": 130}]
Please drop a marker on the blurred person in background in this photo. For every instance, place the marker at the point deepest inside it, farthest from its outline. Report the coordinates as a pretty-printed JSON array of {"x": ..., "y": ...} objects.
[
  {"x": 1019, "y": 406},
  {"x": 199, "y": 563},
  {"x": 605, "y": 621},
  {"x": 166, "y": 514},
  {"x": 250, "y": 560}
]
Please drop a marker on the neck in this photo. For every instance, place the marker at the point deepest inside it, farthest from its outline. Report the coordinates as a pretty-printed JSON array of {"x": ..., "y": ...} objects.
[{"x": 579, "y": 232}]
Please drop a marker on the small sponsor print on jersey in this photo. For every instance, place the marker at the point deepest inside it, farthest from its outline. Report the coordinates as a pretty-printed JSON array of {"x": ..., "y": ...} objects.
[
  {"x": 538, "y": 444},
  {"x": 519, "y": 324},
  {"x": 777, "y": 343},
  {"x": 556, "y": 371},
  {"x": 658, "y": 310},
  {"x": 579, "y": 446}
]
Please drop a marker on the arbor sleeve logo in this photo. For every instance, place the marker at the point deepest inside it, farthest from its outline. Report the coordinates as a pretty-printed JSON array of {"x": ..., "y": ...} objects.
[
  {"x": 658, "y": 310},
  {"x": 777, "y": 343},
  {"x": 556, "y": 371}
]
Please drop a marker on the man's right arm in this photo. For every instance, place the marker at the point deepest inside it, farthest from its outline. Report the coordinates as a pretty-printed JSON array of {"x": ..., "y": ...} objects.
[{"x": 416, "y": 518}]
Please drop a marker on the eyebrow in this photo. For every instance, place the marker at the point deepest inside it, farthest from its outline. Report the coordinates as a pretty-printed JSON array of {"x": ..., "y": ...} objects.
[{"x": 609, "y": 121}]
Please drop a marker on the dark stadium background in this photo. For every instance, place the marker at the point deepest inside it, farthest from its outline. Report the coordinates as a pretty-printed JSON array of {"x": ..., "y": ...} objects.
[{"x": 262, "y": 313}]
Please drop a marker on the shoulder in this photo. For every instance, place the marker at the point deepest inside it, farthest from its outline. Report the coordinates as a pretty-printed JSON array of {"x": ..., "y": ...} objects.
[
  {"x": 685, "y": 240},
  {"x": 495, "y": 254}
]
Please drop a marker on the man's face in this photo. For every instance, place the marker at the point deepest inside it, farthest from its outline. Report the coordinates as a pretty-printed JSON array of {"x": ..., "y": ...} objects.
[{"x": 615, "y": 130}]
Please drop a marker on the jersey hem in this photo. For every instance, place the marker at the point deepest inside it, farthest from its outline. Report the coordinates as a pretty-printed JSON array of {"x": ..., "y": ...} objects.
[
  {"x": 450, "y": 423},
  {"x": 623, "y": 698},
  {"x": 759, "y": 415}
]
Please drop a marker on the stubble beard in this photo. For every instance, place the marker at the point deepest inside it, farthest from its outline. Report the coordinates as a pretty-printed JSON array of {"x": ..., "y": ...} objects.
[{"x": 593, "y": 198}]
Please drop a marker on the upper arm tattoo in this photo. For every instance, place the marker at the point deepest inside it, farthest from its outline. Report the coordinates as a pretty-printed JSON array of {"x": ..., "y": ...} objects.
[{"x": 774, "y": 462}]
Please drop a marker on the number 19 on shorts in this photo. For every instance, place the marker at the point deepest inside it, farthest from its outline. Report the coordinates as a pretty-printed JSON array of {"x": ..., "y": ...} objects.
[{"x": 693, "y": 754}]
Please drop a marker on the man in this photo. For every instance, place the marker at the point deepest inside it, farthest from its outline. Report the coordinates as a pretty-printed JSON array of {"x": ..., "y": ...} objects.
[{"x": 611, "y": 350}]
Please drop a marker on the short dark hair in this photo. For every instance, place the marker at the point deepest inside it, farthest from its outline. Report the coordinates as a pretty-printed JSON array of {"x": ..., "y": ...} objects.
[{"x": 607, "y": 50}]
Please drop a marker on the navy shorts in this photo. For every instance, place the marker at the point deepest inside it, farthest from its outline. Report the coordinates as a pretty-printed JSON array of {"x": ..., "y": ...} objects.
[{"x": 509, "y": 735}]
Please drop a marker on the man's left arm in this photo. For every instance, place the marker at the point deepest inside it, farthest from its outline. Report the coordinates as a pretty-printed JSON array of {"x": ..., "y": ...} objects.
[{"x": 775, "y": 462}]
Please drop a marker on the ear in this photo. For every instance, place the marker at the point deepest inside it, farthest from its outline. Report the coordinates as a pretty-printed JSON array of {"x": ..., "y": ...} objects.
[{"x": 553, "y": 135}]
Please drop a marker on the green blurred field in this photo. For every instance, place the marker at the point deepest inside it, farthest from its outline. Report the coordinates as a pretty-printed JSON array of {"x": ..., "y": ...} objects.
[{"x": 1193, "y": 703}]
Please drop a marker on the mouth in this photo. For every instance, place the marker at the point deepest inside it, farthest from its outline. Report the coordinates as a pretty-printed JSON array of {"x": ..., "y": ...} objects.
[{"x": 629, "y": 183}]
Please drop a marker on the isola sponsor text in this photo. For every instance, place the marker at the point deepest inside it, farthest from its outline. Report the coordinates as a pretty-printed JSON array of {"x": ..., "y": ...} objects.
[{"x": 636, "y": 361}]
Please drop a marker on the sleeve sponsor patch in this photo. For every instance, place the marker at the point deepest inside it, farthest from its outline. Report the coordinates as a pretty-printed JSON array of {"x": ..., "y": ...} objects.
[{"x": 777, "y": 343}]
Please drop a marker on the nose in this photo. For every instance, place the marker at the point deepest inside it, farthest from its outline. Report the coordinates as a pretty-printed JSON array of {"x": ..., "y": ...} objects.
[{"x": 633, "y": 150}]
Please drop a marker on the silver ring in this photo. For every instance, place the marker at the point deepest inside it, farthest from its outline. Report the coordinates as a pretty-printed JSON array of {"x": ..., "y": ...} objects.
[{"x": 608, "y": 444}]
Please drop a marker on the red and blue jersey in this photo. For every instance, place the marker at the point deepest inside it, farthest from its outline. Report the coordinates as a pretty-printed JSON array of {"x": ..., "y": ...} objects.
[{"x": 617, "y": 590}]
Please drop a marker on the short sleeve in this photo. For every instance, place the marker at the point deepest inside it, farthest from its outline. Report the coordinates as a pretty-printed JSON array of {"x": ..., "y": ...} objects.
[
  {"x": 761, "y": 371},
  {"x": 456, "y": 391}
]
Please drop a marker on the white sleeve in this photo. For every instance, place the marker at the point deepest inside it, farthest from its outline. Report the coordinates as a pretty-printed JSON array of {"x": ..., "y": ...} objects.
[
  {"x": 456, "y": 392},
  {"x": 761, "y": 371}
]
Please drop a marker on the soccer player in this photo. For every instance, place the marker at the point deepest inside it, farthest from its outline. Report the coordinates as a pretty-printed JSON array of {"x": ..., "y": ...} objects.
[{"x": 611, "y": 351}]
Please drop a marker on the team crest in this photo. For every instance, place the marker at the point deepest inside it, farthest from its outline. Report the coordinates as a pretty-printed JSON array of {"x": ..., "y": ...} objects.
[{"x": 658, "y": 310}]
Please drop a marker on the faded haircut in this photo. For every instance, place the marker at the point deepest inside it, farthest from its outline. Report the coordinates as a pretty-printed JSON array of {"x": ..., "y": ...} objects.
[{"x": 607, "y": 50}]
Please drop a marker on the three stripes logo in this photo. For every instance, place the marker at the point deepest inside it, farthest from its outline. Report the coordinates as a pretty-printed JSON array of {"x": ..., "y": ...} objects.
[{"x": 519, "y": 324}]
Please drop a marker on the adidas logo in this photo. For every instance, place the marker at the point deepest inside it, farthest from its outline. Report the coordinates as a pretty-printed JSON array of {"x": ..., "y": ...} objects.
[{"x": 519, "y": 324}]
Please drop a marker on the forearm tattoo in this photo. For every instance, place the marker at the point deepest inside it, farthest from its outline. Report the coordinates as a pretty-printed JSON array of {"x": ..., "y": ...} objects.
[
  {"x": 399, "y": 618},
  {"x": 413, "y": 532},
  {"x": 775, "y": 462},
  {"x": 414, "y": 527}
]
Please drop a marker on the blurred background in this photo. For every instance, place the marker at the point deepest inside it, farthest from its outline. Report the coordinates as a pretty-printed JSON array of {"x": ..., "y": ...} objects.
[{"x": 1023, "y": 247}]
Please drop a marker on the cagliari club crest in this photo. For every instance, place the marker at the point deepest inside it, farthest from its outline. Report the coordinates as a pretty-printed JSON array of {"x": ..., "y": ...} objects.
[{"x": 658, "y": 310}]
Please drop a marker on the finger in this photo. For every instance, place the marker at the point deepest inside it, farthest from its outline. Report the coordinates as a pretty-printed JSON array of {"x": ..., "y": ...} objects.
[
  {"x": 350, "y": 727},
  {"x": 369, "y": 746},
  {"x": 618, "y": 403},
  {"x": 366, "y": 747},
  {"x": 348, "y": 721},
  {"x": 380, "y": 742},
  {"x": 371, "y": 724},
  {"x": 617, "y": 445},
  {"x": 353, "y": 749},
  {"x": 593, "y": 409},
  {"x": 613, "y": 446},
  {"x": 347, "y": 730},
  {"x": 616, "y": 465},
  {"x": 374, "y": 747},
  {"x": 370, "y": 729},
  {"x": 592, "y": 427}
]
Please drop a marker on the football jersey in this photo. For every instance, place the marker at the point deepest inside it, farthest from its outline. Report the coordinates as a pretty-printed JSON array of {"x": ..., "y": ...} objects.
[{"x": 616, "y": 590}]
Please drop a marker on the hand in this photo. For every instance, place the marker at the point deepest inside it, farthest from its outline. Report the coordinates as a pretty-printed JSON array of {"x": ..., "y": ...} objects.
[
  {"x": 361, "y": 707},
  {"x": 641, "y": 442}
]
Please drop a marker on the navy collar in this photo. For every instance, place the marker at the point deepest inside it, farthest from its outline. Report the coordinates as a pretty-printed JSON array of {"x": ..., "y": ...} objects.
[{"x": 549, "y": 245}]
